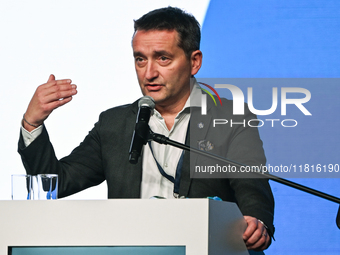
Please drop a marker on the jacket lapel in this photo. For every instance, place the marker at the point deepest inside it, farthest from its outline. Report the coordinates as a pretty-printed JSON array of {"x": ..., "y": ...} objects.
[{"x": 199, "y": 126}]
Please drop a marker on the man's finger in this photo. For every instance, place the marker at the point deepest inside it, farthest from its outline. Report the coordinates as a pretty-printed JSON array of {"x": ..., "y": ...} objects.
[
  {"x": 252, "y": 226},
  {"x": 58, "y": 95},
  {"x": 60, "y": 88},
  {"x": 255, "y": 237},
  {"x": 261, "y": 244},
  {"x": 62, "y": 102},
  {"x": 65, "y": 81}
]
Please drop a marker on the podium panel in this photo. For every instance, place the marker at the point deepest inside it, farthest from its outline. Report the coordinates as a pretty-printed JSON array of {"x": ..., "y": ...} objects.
[
  {"x": 195, "y": 226},
  {"x": 115, "y": 250}
]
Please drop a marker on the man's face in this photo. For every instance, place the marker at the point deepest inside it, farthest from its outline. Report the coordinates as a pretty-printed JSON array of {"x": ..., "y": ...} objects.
[{"x": 163, "y": 70}]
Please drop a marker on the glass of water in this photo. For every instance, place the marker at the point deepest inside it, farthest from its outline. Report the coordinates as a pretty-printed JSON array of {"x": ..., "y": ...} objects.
[
  {"x": 21, "y": 187},
  {"x": 47, "y": 186}
]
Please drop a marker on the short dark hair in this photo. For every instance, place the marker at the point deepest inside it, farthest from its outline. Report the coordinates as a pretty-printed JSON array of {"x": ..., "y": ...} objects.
[{"x": 172, "y": 18}]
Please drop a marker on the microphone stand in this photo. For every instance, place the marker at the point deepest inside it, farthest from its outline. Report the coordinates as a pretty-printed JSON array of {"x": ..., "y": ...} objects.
[{"x": 165, "y": 140}]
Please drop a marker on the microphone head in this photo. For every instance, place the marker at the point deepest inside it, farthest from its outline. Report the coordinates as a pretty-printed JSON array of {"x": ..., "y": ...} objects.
[{"x": 147, "y": 101}]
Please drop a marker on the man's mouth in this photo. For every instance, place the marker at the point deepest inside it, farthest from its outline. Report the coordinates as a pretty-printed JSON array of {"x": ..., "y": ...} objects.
[{"x": 153, "y": 87}]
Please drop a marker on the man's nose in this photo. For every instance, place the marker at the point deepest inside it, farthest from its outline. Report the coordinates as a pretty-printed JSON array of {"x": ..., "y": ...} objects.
[{"x": 151, "y": 71}]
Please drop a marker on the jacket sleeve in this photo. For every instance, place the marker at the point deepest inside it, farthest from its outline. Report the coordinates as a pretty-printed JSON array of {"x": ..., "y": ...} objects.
[
  {"x": 253, "y": 195},
  {"x": 78, "y": 171},
  {"x": 238, "y": 140}
]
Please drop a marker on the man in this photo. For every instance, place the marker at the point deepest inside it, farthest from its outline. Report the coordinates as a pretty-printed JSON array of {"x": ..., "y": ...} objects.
[{"x": 167, "y": 56}]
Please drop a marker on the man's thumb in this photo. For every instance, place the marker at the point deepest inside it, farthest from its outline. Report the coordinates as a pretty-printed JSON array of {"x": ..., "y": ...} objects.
[{"x": 51, "y": 78}]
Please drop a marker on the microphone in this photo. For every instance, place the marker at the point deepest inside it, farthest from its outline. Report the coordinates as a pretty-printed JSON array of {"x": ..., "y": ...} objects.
[{"x": 141, "y": 134}]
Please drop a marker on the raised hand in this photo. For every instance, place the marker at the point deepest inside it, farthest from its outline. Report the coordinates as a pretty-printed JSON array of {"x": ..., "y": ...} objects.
[{"x": 46, "y": 98}]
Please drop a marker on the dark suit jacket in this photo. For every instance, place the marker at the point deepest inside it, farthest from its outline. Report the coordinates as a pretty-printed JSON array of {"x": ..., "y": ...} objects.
[{"x": 103, "y": 155}]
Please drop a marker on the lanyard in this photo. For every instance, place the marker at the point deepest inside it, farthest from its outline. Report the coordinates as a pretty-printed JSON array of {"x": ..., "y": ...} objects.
[{"x": 177, "y": 179}]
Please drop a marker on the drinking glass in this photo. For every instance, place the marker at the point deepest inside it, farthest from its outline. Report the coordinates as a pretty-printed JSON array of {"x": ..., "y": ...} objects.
[
  {"x": 47, "y": 186},
  {"x": 21, "y": 187}
]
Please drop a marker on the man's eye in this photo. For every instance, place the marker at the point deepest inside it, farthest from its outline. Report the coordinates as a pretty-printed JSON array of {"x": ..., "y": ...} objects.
[
  {"x": 163, "y": 58},
  {"x": 139, "y": 59}
]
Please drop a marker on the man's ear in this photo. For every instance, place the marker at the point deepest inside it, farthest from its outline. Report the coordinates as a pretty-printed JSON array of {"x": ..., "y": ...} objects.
[{"x": 196, "y": 61}]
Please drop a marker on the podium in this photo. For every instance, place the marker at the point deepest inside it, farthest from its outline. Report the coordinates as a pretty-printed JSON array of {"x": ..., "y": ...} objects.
[{"x": 195, "y": 226}]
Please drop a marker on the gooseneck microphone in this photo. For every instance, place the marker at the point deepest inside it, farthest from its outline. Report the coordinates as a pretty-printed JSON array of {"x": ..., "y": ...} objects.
[{"x": 140, "y": 135}]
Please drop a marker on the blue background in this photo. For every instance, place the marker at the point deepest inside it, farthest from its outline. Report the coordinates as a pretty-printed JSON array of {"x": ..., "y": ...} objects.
[{"x": 287, "y": 39}]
